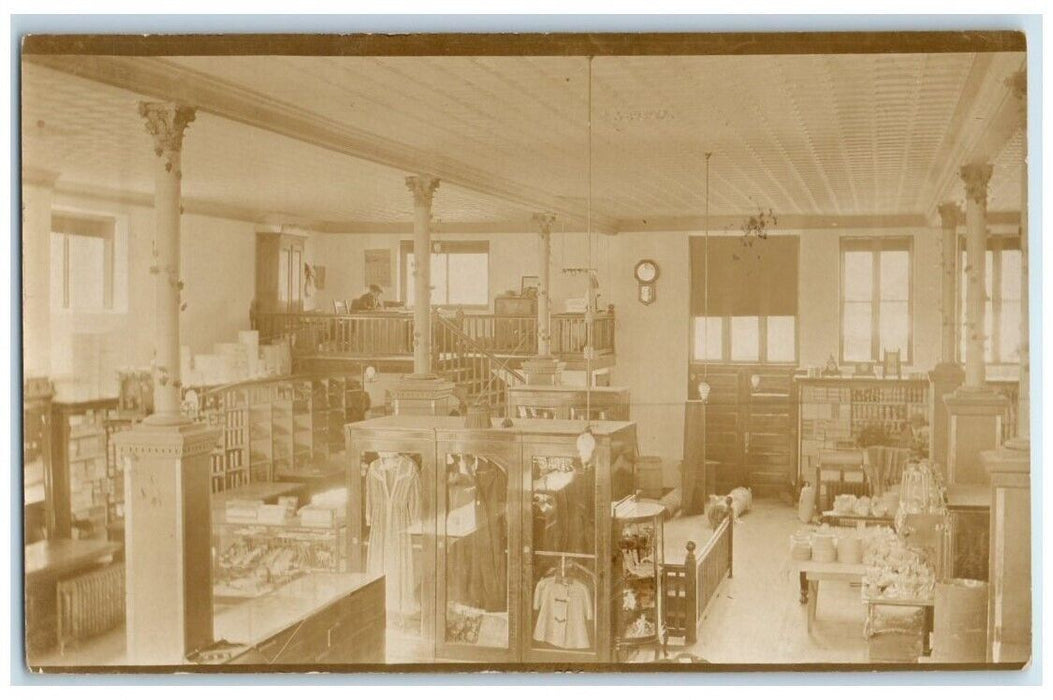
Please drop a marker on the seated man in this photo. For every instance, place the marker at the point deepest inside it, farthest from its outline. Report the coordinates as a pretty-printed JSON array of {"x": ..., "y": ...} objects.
[{"x": 370, "y": 301}]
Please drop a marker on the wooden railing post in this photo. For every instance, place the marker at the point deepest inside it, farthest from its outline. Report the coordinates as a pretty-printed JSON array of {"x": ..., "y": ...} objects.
[{"x": 691, "y": 599}]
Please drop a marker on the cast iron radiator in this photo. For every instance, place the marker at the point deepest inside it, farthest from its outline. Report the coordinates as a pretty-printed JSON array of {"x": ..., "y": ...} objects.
[{"x": 90, "y": 603}]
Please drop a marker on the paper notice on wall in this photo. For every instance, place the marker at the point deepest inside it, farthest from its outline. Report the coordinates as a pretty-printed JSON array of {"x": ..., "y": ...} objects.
[{"x": 378, "y": 267}]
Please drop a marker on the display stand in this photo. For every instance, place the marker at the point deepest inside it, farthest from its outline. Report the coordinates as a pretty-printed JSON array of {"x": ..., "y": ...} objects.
[{"x": 637, "y": 575}]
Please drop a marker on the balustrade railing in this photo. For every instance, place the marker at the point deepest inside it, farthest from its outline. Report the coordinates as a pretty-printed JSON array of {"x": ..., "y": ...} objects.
[{"x": 367, "y": 335}]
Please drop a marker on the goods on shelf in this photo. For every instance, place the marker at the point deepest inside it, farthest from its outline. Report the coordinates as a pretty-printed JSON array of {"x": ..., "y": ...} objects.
[
  {"x": 865, "y": 506},
  {"x": 254, "y": 559}
]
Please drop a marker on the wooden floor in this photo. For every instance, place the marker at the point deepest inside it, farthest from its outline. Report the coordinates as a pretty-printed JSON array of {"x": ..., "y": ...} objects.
[{"x": 757, "y": 616}]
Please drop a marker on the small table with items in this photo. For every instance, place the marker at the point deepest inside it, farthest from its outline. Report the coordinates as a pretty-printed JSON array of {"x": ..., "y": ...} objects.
[{"x": 812, "y": 572}]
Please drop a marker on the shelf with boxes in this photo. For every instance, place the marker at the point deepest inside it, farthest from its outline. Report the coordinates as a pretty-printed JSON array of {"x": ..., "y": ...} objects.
[
  {"x": 834, "y": 412},
  {"x": 85, "y": 486},
  {"x": 278, "y": 428}
]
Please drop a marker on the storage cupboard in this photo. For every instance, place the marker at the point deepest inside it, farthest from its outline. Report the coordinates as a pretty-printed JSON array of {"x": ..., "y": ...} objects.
[{"x": 495, "y": 543}]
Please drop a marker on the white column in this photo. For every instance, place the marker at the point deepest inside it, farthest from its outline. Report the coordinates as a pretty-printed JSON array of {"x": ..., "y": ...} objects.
[
  {"x": 166, "y": 123},
  {"x": 423, "y": 188},
  {"x": 1023, "y": 419},
  {"x": 976, "y": 176},
  {"x": 544, "y": 329},
  {"x": 950, "y": 215}
]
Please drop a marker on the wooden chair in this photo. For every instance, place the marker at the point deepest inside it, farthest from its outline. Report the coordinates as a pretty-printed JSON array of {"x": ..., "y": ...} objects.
[{"x": 838, "y": 472}]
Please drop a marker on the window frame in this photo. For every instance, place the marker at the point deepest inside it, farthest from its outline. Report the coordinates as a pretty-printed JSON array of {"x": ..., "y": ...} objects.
[
  {"x": 875, "y": 245},
  {"x": 762, "y": 350},
  {"x": 996, "y": 245},
  {"x": 447, "y": 248},
  {"x": 67, "y": 224}
]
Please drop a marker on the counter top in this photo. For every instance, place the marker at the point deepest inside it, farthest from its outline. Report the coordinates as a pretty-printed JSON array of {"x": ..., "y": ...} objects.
[
  {"x": 60, "y": 556},
  {"x": 254, "y": 621}
]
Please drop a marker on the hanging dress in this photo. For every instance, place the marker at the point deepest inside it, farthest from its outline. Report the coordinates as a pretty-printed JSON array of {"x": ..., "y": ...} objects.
[{"x": 393, "y": 502}]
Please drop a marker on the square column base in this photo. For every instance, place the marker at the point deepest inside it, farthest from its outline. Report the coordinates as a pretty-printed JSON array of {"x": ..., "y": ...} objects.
[
  {"x": 1009, "y": 610},
  {"x": 423, "y": 395},
  {"x": 946, "y": 377},
  {"x": 167, "y": 540},
  {"x": 975, "y": 418},
  {"x": 543, "y": 371}
]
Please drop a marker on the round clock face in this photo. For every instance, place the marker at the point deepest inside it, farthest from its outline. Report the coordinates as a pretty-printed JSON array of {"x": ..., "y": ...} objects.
[{"x": 647, "y": 271}]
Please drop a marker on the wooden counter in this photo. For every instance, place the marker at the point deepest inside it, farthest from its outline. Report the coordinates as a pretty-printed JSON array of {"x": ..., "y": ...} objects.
[{"x": 320, "y": 618}]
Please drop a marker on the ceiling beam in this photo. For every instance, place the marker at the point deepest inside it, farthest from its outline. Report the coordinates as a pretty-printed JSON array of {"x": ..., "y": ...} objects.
[
  {"x": 160, "y": 79},
  {"x": 988, "y": 117}
]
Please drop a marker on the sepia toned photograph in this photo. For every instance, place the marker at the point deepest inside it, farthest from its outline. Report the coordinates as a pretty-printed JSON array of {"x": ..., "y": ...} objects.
[{"x": 588, "y": 352}]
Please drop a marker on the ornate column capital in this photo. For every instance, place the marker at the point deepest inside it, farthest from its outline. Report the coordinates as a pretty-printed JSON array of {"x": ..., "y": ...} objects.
[
  {"x": 950, "y": 215},
  {"x": 423, "y": 188},
  {"x": 976, "y": 176},
  {"x": 166, "y": 122},
  {"x": 544, "y": 222}
]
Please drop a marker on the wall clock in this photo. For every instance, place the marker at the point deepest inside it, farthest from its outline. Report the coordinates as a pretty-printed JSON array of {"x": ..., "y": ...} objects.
[{"x": 646, "y": 273}]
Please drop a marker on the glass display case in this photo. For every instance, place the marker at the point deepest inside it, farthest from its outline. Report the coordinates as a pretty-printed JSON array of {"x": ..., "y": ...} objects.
[
  {"x": 258, "y": 548},
  {"x": 515, "y": 522},
  {"x": 639, "y": 548}
]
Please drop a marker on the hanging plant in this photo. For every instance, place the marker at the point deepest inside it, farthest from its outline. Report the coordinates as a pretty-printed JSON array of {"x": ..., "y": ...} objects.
[{"x": 756, "y": 227}]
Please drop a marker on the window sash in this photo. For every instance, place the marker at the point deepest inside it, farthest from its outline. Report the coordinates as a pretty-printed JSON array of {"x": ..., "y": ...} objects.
[
  {"x": 1002, "y": 304},
  {"x": 80, "y": 244},
  {"x": 444, "y": 292},
  {"x": 722, "y": 344},
  {"x": 881, "y": 252}
]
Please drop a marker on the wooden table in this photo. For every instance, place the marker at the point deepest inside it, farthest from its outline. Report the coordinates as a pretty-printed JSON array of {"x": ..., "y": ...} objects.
[
  {"x": 927, "y": 604},
  {"x": 46, "y": 562},
  {"x": 812, "y": 572}
]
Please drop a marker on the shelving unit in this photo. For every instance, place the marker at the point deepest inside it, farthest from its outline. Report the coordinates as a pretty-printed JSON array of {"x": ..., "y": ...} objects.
[
  {"x": 638, "y": 550},
  {"x": 277, "y": 429},
  {"x": 115, "y": 477},
  {"x": 834, "y": 411},
  {"x": 82, "y": 483}
]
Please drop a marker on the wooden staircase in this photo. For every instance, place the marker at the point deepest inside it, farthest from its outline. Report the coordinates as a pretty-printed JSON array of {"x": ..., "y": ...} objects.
[{"x": 478, "y": 375}]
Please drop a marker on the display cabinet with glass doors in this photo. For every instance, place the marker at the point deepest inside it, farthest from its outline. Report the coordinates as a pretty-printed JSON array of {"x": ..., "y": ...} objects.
[{"x": 496, "y": 543}]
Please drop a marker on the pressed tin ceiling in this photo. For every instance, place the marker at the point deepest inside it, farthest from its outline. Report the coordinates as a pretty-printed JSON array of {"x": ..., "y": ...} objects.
[{"x": 869, "y": 135}]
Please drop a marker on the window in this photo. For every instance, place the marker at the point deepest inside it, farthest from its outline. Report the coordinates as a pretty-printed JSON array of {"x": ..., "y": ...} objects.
[
  {"x": 460, "y": 273},
  {"x": 82, "y": 262},
  {"x": 876, "y": 310},
  {"x": 744, "y": 299},
  {"x": 1002, "y": 306}
]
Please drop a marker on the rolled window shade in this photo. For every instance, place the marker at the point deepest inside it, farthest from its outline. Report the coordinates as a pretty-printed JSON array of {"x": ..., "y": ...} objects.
[{"x": 756, "y": 280}]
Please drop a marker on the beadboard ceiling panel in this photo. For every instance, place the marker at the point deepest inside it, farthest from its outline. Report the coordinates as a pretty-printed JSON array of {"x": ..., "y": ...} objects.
[
  {"x": 93, "y": 136},
  {"x": 805, "y": 135}
]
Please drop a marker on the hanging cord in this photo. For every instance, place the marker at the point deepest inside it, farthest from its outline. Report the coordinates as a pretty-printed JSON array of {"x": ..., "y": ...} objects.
[
  {"x": 589, "y": 314},
  {"x": 705, "y": 299}
]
